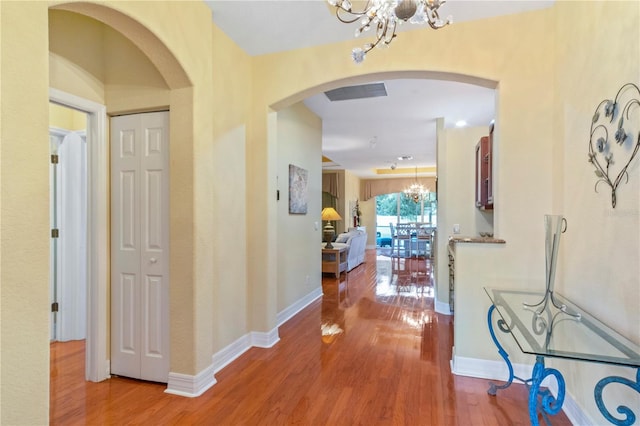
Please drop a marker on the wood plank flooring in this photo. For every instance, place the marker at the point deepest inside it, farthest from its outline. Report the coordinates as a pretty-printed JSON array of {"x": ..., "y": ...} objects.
[{"x": 371, "y": 352}]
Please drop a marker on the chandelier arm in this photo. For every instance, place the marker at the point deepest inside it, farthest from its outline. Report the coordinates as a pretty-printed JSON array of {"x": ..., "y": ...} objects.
[
  {"x": 394, "y": 25},
  {"x": 380, "y": 33},
  {"x": 356, "y": 15},
  {"x": 348, "y": 20},
  {"x": 433, "y": 19},
  {"x": 383, "y": 27}
]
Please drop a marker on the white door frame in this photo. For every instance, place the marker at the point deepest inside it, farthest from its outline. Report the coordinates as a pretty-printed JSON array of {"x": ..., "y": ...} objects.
[{"x": 96, "y": 359}]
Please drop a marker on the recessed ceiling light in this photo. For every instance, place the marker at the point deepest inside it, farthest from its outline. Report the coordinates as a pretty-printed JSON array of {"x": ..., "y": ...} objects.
[
  {"x": 405, "y": 157},
  {"x": 461, "y": 123}
]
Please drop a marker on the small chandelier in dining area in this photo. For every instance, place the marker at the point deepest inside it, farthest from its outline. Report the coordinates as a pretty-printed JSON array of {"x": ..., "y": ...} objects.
[
  {"x": 384, "y": 16},
  {"x": 416, "y": 191}
]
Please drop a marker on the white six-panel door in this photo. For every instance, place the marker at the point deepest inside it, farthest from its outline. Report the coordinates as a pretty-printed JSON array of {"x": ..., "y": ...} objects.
[{"x": 140, "y": 246}]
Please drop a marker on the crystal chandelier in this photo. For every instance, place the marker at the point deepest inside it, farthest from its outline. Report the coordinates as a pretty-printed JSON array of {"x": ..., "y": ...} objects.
[
  {"x": 385, "y": 16},
  {"x": 416, "y": 191}
]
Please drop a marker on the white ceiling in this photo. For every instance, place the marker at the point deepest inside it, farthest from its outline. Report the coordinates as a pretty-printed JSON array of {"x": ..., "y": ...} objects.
[
  {"x": 362, "y": 135},
  {"x": 366, "y": 134}
]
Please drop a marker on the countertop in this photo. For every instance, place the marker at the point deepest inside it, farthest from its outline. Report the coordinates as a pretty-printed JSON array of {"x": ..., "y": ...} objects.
[{"x": 483, "y": 240}]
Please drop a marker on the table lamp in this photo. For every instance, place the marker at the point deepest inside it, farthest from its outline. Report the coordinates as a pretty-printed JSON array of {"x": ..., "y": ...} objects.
[{"x": 329, "y": 214}]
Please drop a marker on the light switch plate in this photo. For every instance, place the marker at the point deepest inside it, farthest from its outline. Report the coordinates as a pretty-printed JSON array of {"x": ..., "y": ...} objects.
[{"x": 456, "y": 228}]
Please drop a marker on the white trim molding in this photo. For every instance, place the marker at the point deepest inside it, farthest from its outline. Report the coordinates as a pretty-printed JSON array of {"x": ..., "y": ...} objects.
[
  {"x": 194, "y": 386},
  {"x": 230, "y": 353},
  {"x": 288, "y": 313},
  {"x": 191, "y": 386},
  {"x": 97, "y": 362},
  {"x": 575, "y": 413},
  {"x": 489, "y": 369},
  {"x": 262, "y": 339}
]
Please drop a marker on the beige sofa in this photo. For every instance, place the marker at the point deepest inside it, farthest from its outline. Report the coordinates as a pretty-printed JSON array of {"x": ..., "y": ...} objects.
[{"x": 356, "y": 241}]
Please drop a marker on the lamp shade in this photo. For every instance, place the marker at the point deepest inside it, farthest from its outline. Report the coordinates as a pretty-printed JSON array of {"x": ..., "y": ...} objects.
[{"x": 329, "y": 213}]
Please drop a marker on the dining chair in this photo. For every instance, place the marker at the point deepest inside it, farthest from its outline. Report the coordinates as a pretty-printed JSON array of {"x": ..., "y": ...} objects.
[
  {"x": 424, "y": 237},
  {"x": 403, "y": 235}
]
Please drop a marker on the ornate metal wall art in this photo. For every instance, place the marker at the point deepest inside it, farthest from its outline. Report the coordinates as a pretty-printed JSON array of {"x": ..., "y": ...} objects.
[{"x": 611, "y": 141}]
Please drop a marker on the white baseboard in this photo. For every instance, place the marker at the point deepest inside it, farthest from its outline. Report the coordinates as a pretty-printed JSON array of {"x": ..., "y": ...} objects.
[
  {"x": 497, "y": 370},
  {"x": 286, "y": 314},
  {"x": 264, "y": 339},
  {"x": 229, "y": 353},
  {"x": 489, "y": 369},
  {"x": 442, "y": 308},
  {"x": 191, "y": 386},
  {"x": 576, "y": 415},
  {"x": 258, "y": 339}
]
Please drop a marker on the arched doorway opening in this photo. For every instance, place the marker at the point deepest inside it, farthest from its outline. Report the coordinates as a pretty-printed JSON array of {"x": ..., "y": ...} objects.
[
  {"x": 84, "y": 76},
  {"x": 489, "y": 86}
]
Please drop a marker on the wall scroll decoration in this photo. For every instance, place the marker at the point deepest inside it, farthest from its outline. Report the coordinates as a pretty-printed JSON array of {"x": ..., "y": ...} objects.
[
  {"x": 298, "y": 178},
  {"x": 615, "y": 137}
]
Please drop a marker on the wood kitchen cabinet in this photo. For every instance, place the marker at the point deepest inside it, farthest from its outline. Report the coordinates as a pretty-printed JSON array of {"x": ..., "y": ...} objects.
[{"x": 484, "y": 180}]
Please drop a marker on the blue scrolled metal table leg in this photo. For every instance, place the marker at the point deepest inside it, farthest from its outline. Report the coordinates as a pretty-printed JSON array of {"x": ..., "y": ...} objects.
[
  {"x": 493, "y": 388},
  {"x": 630, "y": 417},
  {"x": 548, "y": 403}
]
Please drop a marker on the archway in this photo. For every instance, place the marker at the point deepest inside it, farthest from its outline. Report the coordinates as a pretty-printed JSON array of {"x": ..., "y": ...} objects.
[
  {"x": 180, "y": 104},
  {"x": 384, "y": 76}
]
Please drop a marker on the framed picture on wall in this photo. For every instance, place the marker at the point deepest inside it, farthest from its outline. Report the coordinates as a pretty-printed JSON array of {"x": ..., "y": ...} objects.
[{"x": 298, "y": 180}]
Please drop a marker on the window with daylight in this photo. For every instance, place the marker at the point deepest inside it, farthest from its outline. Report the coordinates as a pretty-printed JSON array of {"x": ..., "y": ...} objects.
[{"x": 398, "y": 208}]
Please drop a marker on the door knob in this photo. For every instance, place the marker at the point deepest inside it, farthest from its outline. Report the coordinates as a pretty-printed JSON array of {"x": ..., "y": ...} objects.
[{"x": 153, "y": 260}]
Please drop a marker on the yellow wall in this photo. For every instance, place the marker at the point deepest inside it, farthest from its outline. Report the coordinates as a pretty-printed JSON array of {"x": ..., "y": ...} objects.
[
  {"x": 299, "y": 143},
  {"x": 76, "y": 64},
  {"x": 24, "y": 180},
  {"x": 230, "y": 101},
  {"x": 456, "y": 193},
  {"x": 600, "y": 250},
  {"x": 224, "y": 129},
  {"x": 102, "y": 65},
  {"x": 66, "y": 118}
]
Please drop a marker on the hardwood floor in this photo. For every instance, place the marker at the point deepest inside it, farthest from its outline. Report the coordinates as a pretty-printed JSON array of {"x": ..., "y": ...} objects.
[{"x": 371, "y": 352}]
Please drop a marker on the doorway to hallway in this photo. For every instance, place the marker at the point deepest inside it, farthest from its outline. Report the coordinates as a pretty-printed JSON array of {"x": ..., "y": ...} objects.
[
  {"x": 96, "y": 228},
  {"x": 68, "y": 218}
]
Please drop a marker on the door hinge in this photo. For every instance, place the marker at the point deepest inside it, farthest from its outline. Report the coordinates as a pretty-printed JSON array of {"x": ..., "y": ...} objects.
[
  {"x": 54, "y": 158},
  {"x": 54, "y": 307},
  {"x": 55, "y": 233}
]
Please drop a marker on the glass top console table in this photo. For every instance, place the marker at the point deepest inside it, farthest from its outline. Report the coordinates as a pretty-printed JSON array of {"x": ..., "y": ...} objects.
[{"x": 546, "y": 324}]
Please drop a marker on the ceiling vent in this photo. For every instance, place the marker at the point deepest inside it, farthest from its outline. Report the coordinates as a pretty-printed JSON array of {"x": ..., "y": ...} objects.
[{"x": 363, "y": 91}]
